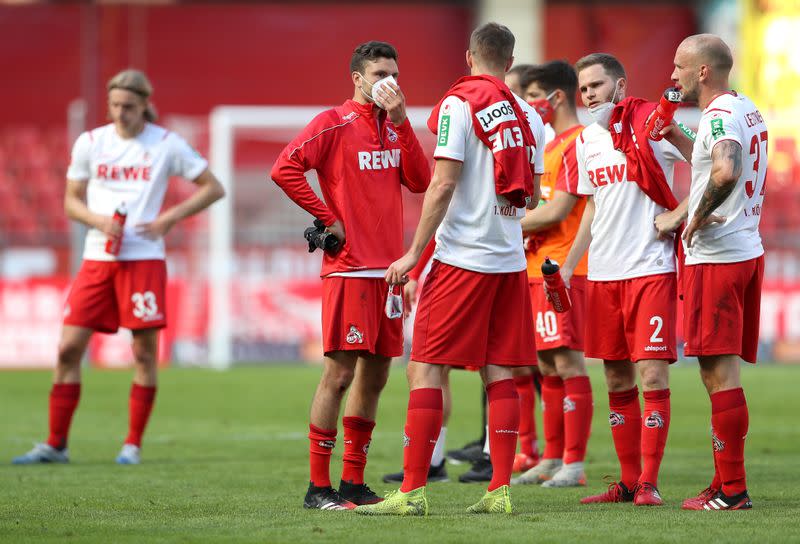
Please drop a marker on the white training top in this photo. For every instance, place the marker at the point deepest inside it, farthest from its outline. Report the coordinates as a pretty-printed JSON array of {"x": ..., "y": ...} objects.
[
  {"x": 730, "y": 117},
  {"x": 624, "y": 239},
  {"x": 481, "y": 230},
  {"x": 135, "y": 171}
]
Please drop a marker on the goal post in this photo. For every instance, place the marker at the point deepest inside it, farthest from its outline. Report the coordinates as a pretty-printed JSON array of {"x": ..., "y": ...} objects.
[
  {"x": 224, "y": 122},
  {"x": 274, "y": 126}
]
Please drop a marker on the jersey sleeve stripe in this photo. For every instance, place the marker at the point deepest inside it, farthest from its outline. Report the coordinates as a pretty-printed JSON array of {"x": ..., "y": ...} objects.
[
  {"x": 717, "y": 109},
  {"x": 320, "y": 133}
]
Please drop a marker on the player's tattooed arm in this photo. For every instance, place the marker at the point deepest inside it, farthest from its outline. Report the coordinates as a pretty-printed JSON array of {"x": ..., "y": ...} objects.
[{"x": 726, "y": 168}]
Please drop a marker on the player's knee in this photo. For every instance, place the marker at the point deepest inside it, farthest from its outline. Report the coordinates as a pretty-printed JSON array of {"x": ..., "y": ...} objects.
[
  {"x": 654, "y": 379},
  {"x": 144, "y": 357},
  {"x": 338, "y": 378},
  {"x": 69, "y": 354}
]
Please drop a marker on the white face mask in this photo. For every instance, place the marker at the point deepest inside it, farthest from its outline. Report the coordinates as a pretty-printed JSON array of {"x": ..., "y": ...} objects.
[
  {"x": 601, "y": 113},
  {"x": 380, "y": 84}
]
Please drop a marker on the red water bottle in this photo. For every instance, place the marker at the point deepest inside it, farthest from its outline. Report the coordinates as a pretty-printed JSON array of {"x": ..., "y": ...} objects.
[
  {"x": 554, "y": 284},
  {"x": 664, "y": 113},
  {"x": 113, "y": 245}
]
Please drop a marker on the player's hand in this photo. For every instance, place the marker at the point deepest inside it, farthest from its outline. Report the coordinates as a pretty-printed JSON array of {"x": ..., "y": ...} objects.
[
  {"x": 697, "y": 224},
  {"x": 666, "y": 223},
  {"x": 566, "y": 275},
  {"x": 409, "y": 296},
  {"x": 155, "y": 229},
  {"x": 397, "y": 273},
  {"x": 535, "y": 198},
  {"x": 337, "y": 229},
  {"x": 107, "y": 225},
  {"x": 394, "y": 104}
]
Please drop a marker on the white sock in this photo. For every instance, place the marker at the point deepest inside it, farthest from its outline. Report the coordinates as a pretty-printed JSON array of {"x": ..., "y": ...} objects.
[
  {"x": 486, "y": 444},
  {"x": 438, "y": 449}
]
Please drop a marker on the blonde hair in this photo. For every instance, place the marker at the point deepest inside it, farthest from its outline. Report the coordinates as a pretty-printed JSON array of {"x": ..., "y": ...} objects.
[{"x": 136, "y": 82}]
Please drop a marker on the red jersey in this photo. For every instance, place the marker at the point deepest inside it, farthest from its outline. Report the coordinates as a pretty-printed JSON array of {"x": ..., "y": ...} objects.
[{"x": 361, "y": 160}]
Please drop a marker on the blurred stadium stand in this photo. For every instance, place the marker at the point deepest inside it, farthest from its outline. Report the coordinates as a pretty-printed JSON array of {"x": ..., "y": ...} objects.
[{"x": 200, "y": 55}]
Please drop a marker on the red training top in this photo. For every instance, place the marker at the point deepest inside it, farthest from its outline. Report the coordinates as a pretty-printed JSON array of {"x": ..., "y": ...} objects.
[{"x": 361, "y": 160}]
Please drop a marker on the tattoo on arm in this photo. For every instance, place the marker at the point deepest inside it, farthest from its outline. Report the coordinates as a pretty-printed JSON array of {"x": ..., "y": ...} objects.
[{"x": 726, "y": 167}]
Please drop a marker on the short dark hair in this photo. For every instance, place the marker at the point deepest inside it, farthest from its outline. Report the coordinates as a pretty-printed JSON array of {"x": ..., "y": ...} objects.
[
  {"x": 610, "y": 64},
  {"x": 556, "y": 74},
  {"x": 519, "y": 69},
  {"x": 492, "y": 44},
  {"x": 371, "y": 51}
]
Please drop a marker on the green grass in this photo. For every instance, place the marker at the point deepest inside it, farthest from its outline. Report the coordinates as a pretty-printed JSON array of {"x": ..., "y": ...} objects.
[{"x": 225, "y": 461}]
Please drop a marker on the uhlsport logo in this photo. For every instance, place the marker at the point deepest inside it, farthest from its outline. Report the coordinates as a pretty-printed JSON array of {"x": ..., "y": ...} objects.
[
  {"x": 497, "y": 113},
  {"x": 329, "y": 444},
  {"x": 569, "y": 405},
  {"x": 616, "y": 419},
  {"x": 654, "y": 421},
  {"x": 355, "y": 336},
  {"x": 365, "y": 449}
]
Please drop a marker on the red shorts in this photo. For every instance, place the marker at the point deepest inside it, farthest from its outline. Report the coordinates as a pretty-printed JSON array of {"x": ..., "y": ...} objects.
[
  {"x": 354, "y": 317},
  {"x": 632, "y": 319},
  {"x": 466, "y": 318},
  {"x": 107, "y": 295},
  {"x": 721, "y": 308},
  {"x": 559, "y": 330}
]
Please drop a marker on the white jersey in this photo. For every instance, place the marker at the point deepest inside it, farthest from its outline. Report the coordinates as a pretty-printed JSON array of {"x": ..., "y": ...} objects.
[
  {"x": 624, "y": 242},
  {"x": 135, "y": 171},
  {"x": 481, "y": 230},
  {"x": 730, "y": 117}
]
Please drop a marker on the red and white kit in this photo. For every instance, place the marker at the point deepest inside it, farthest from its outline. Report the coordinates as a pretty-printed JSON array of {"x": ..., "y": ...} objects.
[
  {"x": 361, "y": 159},
  {"x": 632, "y": 288},
  {"x": 127, "y": 289},
  {"x": 725, "y": 265},
  {"x": 474, "y": 308}
]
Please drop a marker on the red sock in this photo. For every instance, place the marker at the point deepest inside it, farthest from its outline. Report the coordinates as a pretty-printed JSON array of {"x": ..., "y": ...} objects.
[
  {"x": 552, "y": 417},
  {"x": 140, "y": 404},
  {"x": 423, "y": 424},
  {"x": 578, "y": 411},
  {"x": 730, "y": 421},
  {"x": 357, "y": 436},
  {"x": 321, "y": 447},
  {"x": 527, "y": 415},
  {"x": 63, "y": 401},
  {"x": 654, "y": 433},
  {"x": 716, "y": 482},
  {"x": 504, "y": 407},
  {"x": 626, "y": 429}
]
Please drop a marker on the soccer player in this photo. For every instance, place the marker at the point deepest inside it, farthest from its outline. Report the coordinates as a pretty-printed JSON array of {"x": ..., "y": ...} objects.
[
  {"x": 474, "y": 309},
  {"x": 127, "y": 162},
  {"x": 551, "y": 228},
  {"x": 363, "y": 152},
  {"x": 631, "y": 293},
  {"x": 724, "y": 255}
]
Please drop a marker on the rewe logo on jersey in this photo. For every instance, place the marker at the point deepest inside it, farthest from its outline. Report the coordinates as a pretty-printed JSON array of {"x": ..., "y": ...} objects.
[
  {"x": 607, "y": 175},
  {"x": 497, "y": 113},
  {"x": 112, "y": 172},
  {"x": 378, "y": 160}
]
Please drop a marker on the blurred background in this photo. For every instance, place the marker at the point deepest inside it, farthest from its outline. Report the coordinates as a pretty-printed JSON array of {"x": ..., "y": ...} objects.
[{"x": 292, "y": 57}]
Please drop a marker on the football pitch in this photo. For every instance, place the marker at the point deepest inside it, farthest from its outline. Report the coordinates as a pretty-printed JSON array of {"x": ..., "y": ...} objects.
[{"x": 225, "y": 460}]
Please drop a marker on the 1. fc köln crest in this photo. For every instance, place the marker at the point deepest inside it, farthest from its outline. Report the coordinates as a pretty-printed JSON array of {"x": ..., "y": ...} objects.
[{"x": 354, "y": 336}]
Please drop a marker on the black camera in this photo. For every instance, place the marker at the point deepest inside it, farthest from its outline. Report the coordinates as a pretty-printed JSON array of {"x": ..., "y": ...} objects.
[{"x": 318, "y": 237}]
